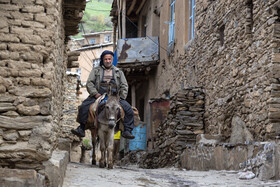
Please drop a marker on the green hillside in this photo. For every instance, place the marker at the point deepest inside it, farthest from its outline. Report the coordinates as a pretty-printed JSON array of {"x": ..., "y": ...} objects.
[{"x": 96, "y": 17}]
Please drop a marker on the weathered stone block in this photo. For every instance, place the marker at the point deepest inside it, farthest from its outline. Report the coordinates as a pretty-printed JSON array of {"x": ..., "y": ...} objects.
[
  {"x": 21, "y": 30},
  {"x": 208, "y": 139},
  {"x": 27, "y": 122},
  {"x": 30, "y": 73},
  {"x": 21, "y": 16},
  {"x": 23, "y": 2},
  {"x": 3, "y": 46},
  {"x": 19, "y": 178},
  {"x": 4, "y": 107},
  {"x": 10, "y": 114},
  {"x": 18, "y": 47},
  {"x": 31, "y": 39},
  {"x": 5, "y": 7},
  {"x": 32, "y": 57},
  {"x": 41, "y": 82},
  {"x": 32, "y": 24},
  {"x": 43, "y": 18},
  {"x": 29, "y": 111},
  {"x": 2, "y": 89},
  {"x": 33, "y": 9},
  {"x": 10, "y": 135},
  {"x": 9, "y": 38},
  {"x": 240, "y": 133},
  {"x": 55, "y": 168},
  {"x": 28, "y": 91}
]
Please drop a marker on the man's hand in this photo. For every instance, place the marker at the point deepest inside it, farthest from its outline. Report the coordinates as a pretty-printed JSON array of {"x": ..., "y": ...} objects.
[{"x": 97, "y": 95}]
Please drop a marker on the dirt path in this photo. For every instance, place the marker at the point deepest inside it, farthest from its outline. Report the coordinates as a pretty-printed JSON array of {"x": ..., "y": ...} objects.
[{"x": 87, "y": 176}]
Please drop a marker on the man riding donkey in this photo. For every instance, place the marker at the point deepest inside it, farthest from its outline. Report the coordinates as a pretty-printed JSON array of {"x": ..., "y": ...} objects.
[{"x": 99, "y": 77}]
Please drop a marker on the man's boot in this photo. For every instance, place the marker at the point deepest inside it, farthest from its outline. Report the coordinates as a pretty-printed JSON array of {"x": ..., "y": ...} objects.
[
  {"x": 127, "y": 135},
  {"x": 80, "y": 131}
]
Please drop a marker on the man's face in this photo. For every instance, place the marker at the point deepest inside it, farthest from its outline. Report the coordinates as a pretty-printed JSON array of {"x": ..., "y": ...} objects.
[{"x": 107, "y": 60}]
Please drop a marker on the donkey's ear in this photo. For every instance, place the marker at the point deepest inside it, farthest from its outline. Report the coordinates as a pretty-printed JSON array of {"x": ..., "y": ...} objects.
[
  {"x": 109, "y": 90},
  {"x": 118, "y": 95}
]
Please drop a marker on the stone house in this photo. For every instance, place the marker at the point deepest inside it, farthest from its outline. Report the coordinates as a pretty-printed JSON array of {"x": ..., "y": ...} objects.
[
  {"x": 33, "y": 63},
  {"x": 229, "y": 49}
]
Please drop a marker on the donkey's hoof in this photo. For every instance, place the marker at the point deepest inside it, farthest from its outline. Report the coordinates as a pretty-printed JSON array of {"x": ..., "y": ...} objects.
[
  {"x": 93, "y": 162},
  {"x": 101, "y": 164},
  {"x": 110, "y": 166}
]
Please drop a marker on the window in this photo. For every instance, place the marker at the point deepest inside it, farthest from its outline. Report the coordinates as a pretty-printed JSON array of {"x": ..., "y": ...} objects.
[
  {"x": 191, "y": 18},
  {"x": 107, "y": 38},
  {"x": 78, "y": 71},
  {"x": 172, "y": 22},
  {"x": 95, "y": 62},
  {"x": 91, "y": 41}
]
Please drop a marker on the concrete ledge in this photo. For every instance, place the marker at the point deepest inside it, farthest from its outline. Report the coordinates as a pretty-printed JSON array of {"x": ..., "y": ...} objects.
[{"x": 262, "y": 158}]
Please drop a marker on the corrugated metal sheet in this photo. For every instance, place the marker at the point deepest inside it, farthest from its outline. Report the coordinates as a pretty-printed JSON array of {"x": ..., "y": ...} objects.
[{"x": 144, "y": 49}]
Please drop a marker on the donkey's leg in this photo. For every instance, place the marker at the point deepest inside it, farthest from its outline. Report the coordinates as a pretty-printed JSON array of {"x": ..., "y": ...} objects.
[
  {"x": 110, "y": 149},
  {"x": 93, "y": 139},
  {"x": 102, "y": 148}
]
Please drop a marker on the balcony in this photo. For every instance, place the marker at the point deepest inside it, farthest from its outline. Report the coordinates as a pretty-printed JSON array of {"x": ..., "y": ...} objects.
[{"x": 138, "y": 55}]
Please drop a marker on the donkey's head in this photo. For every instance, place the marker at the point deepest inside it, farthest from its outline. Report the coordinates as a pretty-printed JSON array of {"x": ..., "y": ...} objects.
[{"x": 112, "y": 108}]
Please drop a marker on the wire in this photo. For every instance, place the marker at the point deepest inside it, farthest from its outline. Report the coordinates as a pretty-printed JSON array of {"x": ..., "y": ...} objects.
[
  {"x": 87, "y": 39},
  {"x": 97, "y": 9},
  {"x": 89, "y": 60},
  {"x": 144, "y": 33}
]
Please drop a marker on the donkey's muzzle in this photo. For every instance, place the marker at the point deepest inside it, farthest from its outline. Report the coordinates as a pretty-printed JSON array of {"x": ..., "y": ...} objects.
[{"x": 111, "y": 123}]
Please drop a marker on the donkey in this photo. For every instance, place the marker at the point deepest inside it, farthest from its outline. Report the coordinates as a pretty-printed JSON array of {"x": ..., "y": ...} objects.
[{"x": 106, "y": 123}]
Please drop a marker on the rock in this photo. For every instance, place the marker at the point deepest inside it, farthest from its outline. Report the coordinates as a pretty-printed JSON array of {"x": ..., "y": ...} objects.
[
  {"x": 55, "y": 167},
  {"x": 28, "y": 111},
  {"x": 18, "y": 178},
  {"x": 239, "y": 131},
  {"x": 10, "y": 136},
  {"x": 4, "y": 107},
  {"x": 11, "y": 114},
  {"x": 27, "y": 122},
  {"x": 208, "y": 139},
  {"x": 246, "y": 175}
]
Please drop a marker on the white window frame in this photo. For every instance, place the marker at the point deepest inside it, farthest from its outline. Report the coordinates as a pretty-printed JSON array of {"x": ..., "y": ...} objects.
[
  {"x": 191, "y": 19},
  {"x": 172, "y": 23}
]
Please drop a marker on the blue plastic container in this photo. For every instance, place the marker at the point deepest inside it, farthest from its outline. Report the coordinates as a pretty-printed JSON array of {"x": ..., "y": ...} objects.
[{"x": 139, "y": 142}]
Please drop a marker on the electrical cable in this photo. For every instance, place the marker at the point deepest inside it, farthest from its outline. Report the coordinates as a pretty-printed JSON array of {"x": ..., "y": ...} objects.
[
  {"x": 87, "y": 39},
  {"x": 146, "y": 35}
]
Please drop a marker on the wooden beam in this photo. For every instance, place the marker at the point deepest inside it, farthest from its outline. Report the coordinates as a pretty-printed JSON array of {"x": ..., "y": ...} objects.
[
  {"x": 133, "y": 95},
  {"x": 131, "y": 7},
  {"x": 140, "y": 7},
  {"x": 124, "y": 19},
  {"x": 119, "y": 19}
]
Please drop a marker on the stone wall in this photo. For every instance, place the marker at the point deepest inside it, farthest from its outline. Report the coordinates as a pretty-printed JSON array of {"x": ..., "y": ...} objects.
[
  {"x": 262, "y": 158},
  {"x": 184, "y": 122},
  {"x": 235, "y": 58},
  {"x": 68, "y": 141},
  {"x": 33, "y": 64}
]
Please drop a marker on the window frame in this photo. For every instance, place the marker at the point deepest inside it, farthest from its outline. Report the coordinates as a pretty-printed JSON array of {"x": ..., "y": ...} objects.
[
  {"x": 172, "y": 23},
  {"x": 89, "y": 41},
  {"x": 191, "y": 19}
]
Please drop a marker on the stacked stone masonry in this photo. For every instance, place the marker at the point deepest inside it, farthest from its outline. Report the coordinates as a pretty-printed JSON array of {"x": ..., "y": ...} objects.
[
  {"x": 235, "y": 57},
  {"x": 184, "y": 122},
  {"x": 33, "y": 65}
]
